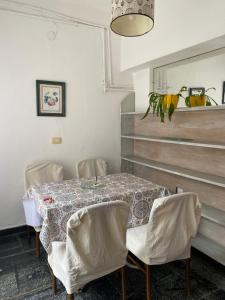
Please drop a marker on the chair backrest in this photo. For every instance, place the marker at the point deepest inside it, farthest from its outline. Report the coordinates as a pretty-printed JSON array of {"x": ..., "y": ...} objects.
[
  {"x": 41, "y": 172},
  {"x": 173, "y": 222},
  {"x": 91, "y": 167},
  {"x": 96, "y": 240}
]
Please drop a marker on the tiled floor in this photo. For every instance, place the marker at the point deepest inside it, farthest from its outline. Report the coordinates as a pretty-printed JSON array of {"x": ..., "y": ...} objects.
[{"x": 23, "y": 276}]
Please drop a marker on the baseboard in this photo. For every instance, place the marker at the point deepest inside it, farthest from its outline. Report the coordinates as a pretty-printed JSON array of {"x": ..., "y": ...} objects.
[{"x": 13, "y": 230}]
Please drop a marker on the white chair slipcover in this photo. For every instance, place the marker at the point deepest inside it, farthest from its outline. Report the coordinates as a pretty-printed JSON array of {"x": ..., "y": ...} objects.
[
  {"x": 36, "y": 174},
  {"x": 173, "y": 222},
  {"x": 95, "y": 245},
  {"x": 91, "y": 167}
]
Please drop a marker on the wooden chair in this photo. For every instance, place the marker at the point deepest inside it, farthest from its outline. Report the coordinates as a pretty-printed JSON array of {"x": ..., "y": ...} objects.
[
  {"x": 173, "y": 222},
  {"x": 95, "y": 246}
]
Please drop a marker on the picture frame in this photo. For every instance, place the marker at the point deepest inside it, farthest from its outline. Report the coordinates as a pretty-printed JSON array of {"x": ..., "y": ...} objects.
[
  {"x": 196, "y": 91},
  {"x": 179, "y": 190},
  {"x": 223, "y": 96},
  {"x": 51, "y": 98}
]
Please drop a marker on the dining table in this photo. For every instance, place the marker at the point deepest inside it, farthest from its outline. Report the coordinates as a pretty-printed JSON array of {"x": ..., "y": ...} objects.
[{"x": 57, "y": 202}]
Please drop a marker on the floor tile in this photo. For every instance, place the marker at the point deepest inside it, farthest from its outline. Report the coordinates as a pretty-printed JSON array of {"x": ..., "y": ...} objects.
[
  {"x": 25, "y": 242},
  {"x": 23, "y": 276},
  {"x": 8, "y": 283},
  {"x": 32, "y": 277},
  {"x": 216, "y": 295},
  {"x": 9, "y": 245}
]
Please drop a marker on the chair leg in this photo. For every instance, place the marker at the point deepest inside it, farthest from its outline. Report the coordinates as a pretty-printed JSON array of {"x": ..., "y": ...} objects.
[
  {"x": 188, "y": 279},
  {"x": 37, "y": 243},
  {"x": 28, "y": 233},
  {"x": 54, "y": 284},
  {"x": 70, "y": 297},
  {"x": 148, "y": 282},
  {"x": 124, "y": 282}
]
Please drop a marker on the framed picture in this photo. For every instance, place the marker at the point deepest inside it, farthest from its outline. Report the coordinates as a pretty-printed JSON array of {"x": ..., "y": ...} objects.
[
  {"x": 179, "y": 190},
  {"x": 196, "y": 91},
  {"x": 51, "y": 98},
  {"x": 223, "y": 99}
]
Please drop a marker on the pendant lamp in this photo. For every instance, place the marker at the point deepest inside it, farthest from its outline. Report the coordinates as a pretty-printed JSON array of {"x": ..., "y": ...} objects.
[{"x": 132, "y": 17}]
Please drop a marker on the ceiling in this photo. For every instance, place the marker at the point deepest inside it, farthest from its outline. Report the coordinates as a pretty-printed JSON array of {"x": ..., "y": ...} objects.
[
  {"x": 91, "y": 10},
  {"x": 87, "y": 4}
]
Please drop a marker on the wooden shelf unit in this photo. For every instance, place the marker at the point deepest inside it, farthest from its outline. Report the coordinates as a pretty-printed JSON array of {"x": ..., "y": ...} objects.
[
  {"x": 177, "y": 141},
  {"x": 210, "y": 248},
  {"x": 194, "y": 175},
  {"x": 188, "y": 152},
  {"x": 213, "y": 215},
  {"x": 180, "y": 109}
]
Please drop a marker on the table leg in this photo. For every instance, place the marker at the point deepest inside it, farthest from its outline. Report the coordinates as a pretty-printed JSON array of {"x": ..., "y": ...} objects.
[
  {"x": 37, "y": 243},
  {"x": 124, "y": 282}
]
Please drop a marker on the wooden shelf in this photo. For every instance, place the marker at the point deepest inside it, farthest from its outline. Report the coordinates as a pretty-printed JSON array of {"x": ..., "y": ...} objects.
[
  {"x": 214, "y": 215},
  {"x": 177, "y": 141},
  {"x": 190, "y": 174},
  {"x": 194, "y": 139},
  {"x": 210, "y": 248},
  {"x": 182, "y": 109}
]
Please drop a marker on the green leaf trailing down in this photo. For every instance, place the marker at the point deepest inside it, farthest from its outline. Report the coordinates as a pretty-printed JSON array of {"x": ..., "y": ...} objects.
[
  {"x": 158, "y": 107},
  {"x": 171, "y": 111},
  {"x": 210, "y": 98},
  {"x": 187, "y": 101},
  {"x": 154, "y": 107},
  {"x": 147, "y": 112},
  {"x": 161, "y": 114}
]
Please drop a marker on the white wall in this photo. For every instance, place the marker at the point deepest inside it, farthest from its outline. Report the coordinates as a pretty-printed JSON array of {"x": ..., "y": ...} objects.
[
  {"x": 118, "y": 77},
  {"x": 97, "y": 11},
  {"x": 209, "y": 72},
  {"x": 179, "y": 24},
  {"x": 142, "y": 87},
  {"x": 92, "y": 123}
]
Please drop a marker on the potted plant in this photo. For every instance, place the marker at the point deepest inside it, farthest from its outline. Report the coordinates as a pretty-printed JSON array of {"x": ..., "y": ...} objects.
[
  {"x": 201, "y": 99},
  {"x": 162, "y": 104}
]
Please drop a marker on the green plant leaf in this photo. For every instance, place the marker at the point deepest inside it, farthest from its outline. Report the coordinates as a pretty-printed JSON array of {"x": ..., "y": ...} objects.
[
  {"x": 211, "y": 88},
  {"x": 146, "y": 113},
  {"x": 154, "y": 107},
  {"x": 161, "y": 113},
  {"x": 171, "y": 111},
  {"x": 187, "y": 101},
  {"x": 158, "y": 108},
  {"x": 183, "y": 89},
  {"x": 180, "y": 95},
  {"x": 210, "y": 98},
  {"x": 149, "y": 95}
]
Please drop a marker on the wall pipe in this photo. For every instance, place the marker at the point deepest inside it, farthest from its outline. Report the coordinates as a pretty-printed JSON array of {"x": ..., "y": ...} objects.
[{"x": 51, "y": 15}]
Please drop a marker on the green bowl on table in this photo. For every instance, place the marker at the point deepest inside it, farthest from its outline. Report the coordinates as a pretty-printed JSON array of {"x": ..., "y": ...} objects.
[{"x": 92, "y": 185}]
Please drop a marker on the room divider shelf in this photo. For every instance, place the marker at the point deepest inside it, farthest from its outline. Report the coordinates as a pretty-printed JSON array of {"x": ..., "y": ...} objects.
[
  {"x": 209, "y": 247},
  {"x": 177, "y": 141},
  {"x": 189, "y": 153},
  {"x": 214, "y": 215},
  {"x": 190, "y": 174},
  {"x": 181, "y": 109}
]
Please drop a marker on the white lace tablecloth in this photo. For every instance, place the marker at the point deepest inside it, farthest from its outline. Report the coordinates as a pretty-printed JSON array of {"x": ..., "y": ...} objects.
[{"x": 69, "y": 196}]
